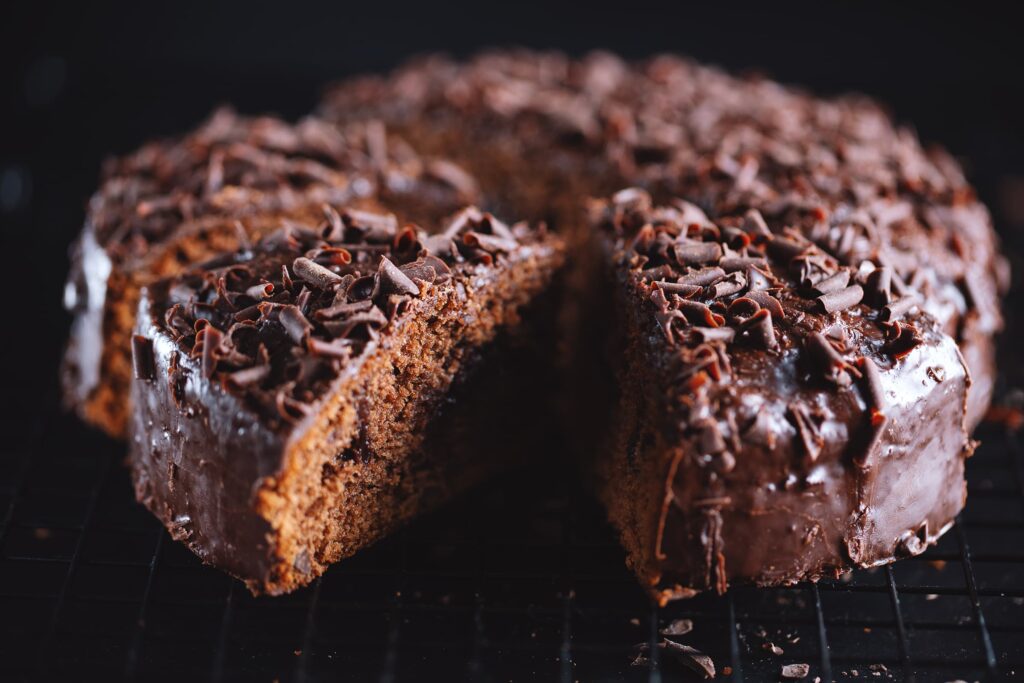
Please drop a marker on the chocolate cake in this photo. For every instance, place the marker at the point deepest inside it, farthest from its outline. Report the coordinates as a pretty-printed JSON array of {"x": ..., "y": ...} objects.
[
  {"x": 178, "y": 202},
  {"x": 293, "y": 401},
  {"x": 864, "y": 267},
  {"x": 781, "y": 415},
  {"x": 786, "y": 321}
]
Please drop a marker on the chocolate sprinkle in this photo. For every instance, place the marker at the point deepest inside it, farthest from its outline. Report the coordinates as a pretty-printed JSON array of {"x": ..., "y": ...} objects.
[
  {"x": 143, "y": 361},
  {"x": 840, "y": 300}
]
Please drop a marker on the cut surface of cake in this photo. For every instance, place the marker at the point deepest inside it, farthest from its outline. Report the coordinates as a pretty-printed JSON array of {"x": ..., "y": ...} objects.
[{"x": 293, "y": 400}]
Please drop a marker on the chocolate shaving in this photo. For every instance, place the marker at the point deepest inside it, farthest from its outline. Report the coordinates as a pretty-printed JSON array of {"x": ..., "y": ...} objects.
[
  {"x": 699, "y": 314},
  {"x": 715, "y": 334},
  {"x": 899, "y": 308},
  {"x": 731, "y": 284},
  {"x": 697, "y": 253},
  {"x": 840, "y": 300},
  {"x": 878, "y": 287},
  {"x": 683, "y": 290},
  {"x": 240, "y": 379},
  {"x": 754, "y": 224},
  {"x": 143, "y": 360},
  {"x": 827, "y": 360},
  {"x": 211, "y": 338},
  {"x": 903, "y": 338},
  {"x": 702, "y": 277},
  {"x": 391, "y": 280},
  {"x": 766, "y": 300},
  {"x": 807, "y": 430},
  {"x": 760, "y": 329},
  {"x": 731, "y": 263},
  {"x": 314, "y": 274},
  {"x": 833, "y": 283},
  {"x": 691, "y": 658},
  {"x": 294, "y": 323}
]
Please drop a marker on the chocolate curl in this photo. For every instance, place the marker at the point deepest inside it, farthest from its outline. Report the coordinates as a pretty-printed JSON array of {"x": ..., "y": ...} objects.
[
  {"x": 143, "y": 360},
  {"x": 696, "y": 253},
  {"x": 391, "y": 280},
  {"x": 240, "y": 379},
  {"x": 715, "y": 334},
  {"x": 699, "y": 314},
  {"x": 827, "y": 359},
  {"x": 766, "y": 300},
  {"x": 875, "y": 397},
  {"x": 315, "y": 274},
  {"x": 210, "y": 337},
  {"x": 702, "y": 277},
  {"x": 454, "y": 177},
  {"x": 242, "y": 235},
  {"x": 878, "y": 287},
  {"x": 903, "y": 338},
  {"x": 787, "y": 249},
  {"x": 334, "y": 230},
  {"x": 489, "y": 243},
  {"x": 840, "y": 300},
  {"x": 685, "y": 291},
  {"x": 759, "y": 328},
  {"x": 833, "y": 283},
  {"x": 808, "y": 432},
  {"x": 727, "y": 286},
  {"x": 260, "y": 291},
  {"x": 375, "y": 227},
  {"x": 757, "y": 279},
  {"x": 342, "y": 309},
  {"x": 664, "y": 314},
  {"x": 731, "y": 263},
  {"x": 754, "y": 224},
  {"x": 336, "y": 348},
  {"x": 294, "y": 322},
  {"x": 899, "y": 308}
]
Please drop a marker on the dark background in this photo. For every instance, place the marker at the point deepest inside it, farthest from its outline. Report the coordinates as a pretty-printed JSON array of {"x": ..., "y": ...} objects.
[{"x": 82, "y": 81}]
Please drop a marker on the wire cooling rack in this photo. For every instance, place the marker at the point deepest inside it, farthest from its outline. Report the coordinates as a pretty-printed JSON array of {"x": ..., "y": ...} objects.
[{"x": 520, "y": 581}]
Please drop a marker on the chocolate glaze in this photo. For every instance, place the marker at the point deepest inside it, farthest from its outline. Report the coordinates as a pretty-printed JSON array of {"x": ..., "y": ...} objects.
[{"x": 774, "y": 457}]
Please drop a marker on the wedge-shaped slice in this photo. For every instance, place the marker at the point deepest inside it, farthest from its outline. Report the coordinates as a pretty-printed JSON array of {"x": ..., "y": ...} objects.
[
  {"x": 175, "y": 203},
  {"x": 781, "y": 417},
  {"x": 296, "y": 401}
]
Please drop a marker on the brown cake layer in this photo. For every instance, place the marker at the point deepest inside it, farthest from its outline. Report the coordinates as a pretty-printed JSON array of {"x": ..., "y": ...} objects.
[
  {"x": 294, "y": 401},
  {"x": 542, "y": 131},
  {"x": 175, "y": 203},
  {"x": 781, "y": 416}
]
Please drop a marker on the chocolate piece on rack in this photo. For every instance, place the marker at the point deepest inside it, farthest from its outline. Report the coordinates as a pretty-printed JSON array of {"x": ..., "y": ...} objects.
[
  {"x": 838, "y": 452},
  {"x": 302, "y": 401},
  {"x": 175, "y": 203}
]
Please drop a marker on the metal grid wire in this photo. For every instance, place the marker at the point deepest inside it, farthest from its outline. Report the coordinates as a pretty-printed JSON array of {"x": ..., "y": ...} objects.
[{"x": 521, "y": 581}]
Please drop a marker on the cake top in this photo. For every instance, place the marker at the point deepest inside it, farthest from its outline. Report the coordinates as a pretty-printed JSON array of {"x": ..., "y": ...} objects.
[
  {"x": 742, "y": 312},
  {"x": 234, "y": 166},
  {"x": 837, "y": 169},
  {"x": 276, "y": 322}
]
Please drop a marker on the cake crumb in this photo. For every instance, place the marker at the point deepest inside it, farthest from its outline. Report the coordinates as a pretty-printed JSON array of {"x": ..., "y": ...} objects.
[{"x": 795, "y": 671}]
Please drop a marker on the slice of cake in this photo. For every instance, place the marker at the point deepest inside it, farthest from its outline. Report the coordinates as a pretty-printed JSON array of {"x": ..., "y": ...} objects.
[
  {"x": 175, "y": 203},
  {"x": 296, "y": 400},
  {"x": 781, "y": 416}
]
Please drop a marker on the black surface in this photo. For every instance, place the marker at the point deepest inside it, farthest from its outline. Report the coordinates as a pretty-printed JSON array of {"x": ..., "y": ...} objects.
[{"x": 517, "y": 582}]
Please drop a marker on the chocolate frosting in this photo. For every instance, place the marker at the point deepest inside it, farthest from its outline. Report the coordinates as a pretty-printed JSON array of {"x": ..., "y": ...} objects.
[{"x": 796, "y": 438}]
